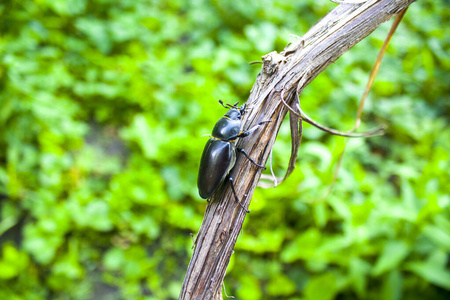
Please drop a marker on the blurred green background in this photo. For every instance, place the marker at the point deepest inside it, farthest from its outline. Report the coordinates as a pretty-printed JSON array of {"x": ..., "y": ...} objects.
[{"x": 103, "y": 105}]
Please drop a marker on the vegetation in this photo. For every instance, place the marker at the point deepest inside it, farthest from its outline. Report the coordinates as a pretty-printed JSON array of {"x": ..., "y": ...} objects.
[{"x": 103, "y": 105}]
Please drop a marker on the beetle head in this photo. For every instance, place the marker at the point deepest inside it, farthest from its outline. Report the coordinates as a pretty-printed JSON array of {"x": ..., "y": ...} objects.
[{"x": 234, "y": 112}]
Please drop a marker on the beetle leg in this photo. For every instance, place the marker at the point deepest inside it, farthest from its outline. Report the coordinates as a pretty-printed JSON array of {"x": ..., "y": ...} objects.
[
  {"x": 249, "y": 158},
  {"x": 235, "y": 196},
  {"x": 247, "y": 132}
]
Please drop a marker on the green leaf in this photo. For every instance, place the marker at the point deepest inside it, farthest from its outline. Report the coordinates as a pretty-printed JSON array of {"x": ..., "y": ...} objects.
[
  {"x": 97, "y": 215},
  {"x": 437, "y": 236},
  {"x": 392, "y": 284},
  {"x": 249, "y": 288},
  {"x": 303, "y": 247},
  {"x": 359, "y": 269},
  {"x": 113, "y": 259},
  {"x": 321, "y": 214},
  {"x": 322, "y": 287},
  {"x": 392, "y": 255},
  {"x": 266, "y": 241},
  {"x": 361, "y": 212},
  {"x": 280, "y": 285},
  {"x": 12, "y": 262},
  {"x": 263, "y": 35},
  {"x": 8, "y": 270},
  {"x": 434, "y": 269}
]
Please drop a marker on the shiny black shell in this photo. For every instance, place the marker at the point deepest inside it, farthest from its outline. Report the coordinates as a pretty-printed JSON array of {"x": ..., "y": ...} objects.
[
  {"x": 219, "y": 155},
  {"x": 227, "y": 126},
  {"x": 217, "y": 160}
]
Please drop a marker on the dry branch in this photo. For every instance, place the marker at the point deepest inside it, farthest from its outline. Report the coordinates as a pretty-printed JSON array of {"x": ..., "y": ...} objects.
[{"x": 287, "y": 72}]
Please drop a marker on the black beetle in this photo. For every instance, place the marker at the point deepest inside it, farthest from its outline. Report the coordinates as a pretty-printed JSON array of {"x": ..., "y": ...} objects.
[{"x": 219, "y": 155}]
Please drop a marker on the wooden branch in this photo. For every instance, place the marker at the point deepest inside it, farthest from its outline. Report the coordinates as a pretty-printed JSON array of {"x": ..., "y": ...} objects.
[{"x": 288, "y": 72}]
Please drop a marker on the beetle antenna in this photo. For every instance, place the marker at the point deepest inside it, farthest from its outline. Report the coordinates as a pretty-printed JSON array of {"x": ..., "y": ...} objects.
[
  {"x": 221, "y": 103},
  {"x": 233, "y": 106},
  {"x": 228, "y": 105}
]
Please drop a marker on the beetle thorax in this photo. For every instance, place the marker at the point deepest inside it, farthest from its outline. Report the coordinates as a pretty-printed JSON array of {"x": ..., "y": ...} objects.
[
  {"x": 226, "y": 128},
  {"x": 233, "y": 114}
]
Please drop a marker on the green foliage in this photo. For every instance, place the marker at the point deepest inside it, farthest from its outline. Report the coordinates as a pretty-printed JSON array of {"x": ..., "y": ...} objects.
[{"x": 102, "y": 107}]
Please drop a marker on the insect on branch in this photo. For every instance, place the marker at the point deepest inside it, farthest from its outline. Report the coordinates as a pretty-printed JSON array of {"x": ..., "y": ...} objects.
[{"x": 286, "y": 73}]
